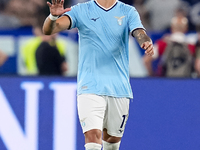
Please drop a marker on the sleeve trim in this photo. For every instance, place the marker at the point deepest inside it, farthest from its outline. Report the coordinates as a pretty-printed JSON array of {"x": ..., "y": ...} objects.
[
  {"x": 70, "y": 26},
  {"x": 137, "y": 29}
]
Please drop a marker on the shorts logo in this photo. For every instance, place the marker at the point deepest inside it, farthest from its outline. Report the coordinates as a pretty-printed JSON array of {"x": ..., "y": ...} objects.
[
  {"x": 120, "y": 131},
  {"x": 119, "y": 20},
  {"x": 83, "y": 124}
]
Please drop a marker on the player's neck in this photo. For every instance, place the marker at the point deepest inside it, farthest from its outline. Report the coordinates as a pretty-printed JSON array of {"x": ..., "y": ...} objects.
[{"x": 106, "y": 3}]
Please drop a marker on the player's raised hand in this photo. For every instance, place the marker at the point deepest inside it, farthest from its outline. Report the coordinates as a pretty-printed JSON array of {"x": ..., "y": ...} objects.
[
  {"x": 148, "y": 47},
  {"x": 56, "y": 8}
]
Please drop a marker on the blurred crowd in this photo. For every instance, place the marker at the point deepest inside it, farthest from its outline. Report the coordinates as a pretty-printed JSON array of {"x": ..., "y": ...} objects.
[
  {"x": 16, "y": 13},
  {"x": 155, "y": 14},
  {"x": 173, "y": 18}
]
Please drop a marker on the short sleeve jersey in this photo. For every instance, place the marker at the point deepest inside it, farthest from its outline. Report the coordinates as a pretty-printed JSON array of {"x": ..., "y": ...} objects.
[{"x": 103, "y": 67}]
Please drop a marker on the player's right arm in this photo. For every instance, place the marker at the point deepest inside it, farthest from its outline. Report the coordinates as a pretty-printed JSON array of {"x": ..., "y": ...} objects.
[{"x": 52, "y": 26}]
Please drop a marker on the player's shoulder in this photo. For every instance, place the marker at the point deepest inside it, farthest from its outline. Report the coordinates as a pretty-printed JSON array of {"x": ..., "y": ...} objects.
[
  {"x": 122, "y": 4},
  {"x": 84, "y": 4},
  {"x": 125, "y": 7}
]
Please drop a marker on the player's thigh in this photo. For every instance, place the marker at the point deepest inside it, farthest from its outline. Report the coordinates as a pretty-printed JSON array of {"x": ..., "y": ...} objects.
[
  {"x": 91, "y": 110},
  {"x": 116, "y": 116}
]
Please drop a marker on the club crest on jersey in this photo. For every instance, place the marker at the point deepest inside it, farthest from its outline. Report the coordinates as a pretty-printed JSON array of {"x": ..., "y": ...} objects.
[{"x": 119, "y": 20}]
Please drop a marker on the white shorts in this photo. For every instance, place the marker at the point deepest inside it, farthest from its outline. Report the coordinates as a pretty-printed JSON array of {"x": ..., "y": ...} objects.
[{"x": 99, "y": 112}]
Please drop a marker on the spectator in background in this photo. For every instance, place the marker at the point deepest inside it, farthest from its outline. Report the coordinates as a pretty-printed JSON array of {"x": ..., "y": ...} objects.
[
  {"x": 37, "y": 43},
  {"x": 48, "y": 58},
  {"x": 28, "y": 52},
  {"x": 173, "y": 52},
  {"x": 161, "y": 12},
  {"x": 197, "y": 50}
]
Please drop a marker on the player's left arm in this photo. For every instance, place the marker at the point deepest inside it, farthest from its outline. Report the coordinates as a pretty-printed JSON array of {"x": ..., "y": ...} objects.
[{"x": 144, "y": 41}]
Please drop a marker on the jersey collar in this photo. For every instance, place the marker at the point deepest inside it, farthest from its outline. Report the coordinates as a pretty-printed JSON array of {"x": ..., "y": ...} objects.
[{"x": 106, "y": 9}]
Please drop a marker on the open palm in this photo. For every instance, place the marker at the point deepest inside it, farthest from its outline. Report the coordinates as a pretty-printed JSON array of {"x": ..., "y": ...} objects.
[{"x": 56, "y": 8}]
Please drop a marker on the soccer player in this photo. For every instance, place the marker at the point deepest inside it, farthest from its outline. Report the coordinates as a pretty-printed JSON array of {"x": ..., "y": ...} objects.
[{"x": 103, "y": 90}]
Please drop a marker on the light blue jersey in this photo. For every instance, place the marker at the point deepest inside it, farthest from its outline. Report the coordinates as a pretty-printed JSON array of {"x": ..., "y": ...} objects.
[{"x": 103, "y": 47}]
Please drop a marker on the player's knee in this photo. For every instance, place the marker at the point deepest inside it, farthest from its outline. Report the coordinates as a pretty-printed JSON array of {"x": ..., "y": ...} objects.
[
  {"x": 110, "y": 139},
  {"x": 93, "y": 136},
  {"x": 113, "y": 139},
  {"x": 92, "y": 146},
  {"x": 111, "y": 146}
]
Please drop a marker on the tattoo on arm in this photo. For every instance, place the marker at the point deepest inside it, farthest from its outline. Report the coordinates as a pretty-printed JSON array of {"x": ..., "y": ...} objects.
[
  {"x": 62, "y": 23},
  {"x": 52, "y": 25},
  {"x": 48, "y": 26},
  {"x": 141, "y": 36}
]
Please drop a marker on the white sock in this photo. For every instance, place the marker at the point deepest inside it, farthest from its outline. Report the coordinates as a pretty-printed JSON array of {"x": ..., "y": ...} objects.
[
  {"x": 92, "y": 146},
  {"x": 111, "y": 146}
]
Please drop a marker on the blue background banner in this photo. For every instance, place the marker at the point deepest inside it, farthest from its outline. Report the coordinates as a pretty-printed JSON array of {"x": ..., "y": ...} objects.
[{"x": 164, "y": 114}]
